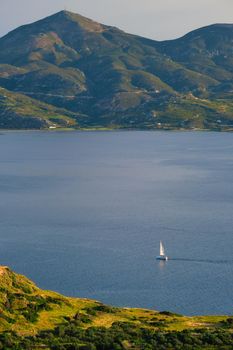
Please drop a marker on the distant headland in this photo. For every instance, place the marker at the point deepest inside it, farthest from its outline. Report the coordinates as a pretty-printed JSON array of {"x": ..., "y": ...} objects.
[{"x": 34, "y": 318}]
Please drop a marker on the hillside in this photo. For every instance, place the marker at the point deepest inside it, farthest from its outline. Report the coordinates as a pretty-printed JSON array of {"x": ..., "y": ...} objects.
[
  {"x": 33, "y": 318},
  {"x": 69, "y": 71}
]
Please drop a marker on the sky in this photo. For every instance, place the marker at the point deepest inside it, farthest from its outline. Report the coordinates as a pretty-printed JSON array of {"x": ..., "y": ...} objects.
[{"x": 156, "y": 19}]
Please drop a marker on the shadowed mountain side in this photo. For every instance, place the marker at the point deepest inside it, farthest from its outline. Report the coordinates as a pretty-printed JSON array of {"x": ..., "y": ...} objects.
[
  {"x": 101, "y": 76},
  {"x": 208, "y": 51}
]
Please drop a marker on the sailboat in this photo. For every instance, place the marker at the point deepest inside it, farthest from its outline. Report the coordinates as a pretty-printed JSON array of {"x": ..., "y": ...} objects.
[{"x": 161, "y": 255}]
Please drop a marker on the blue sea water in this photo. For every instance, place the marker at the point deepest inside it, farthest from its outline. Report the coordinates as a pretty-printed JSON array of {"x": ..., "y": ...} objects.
[{"x": 82, "y": 213}]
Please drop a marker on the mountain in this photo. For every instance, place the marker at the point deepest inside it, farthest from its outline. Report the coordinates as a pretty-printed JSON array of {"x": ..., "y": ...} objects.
[
  {"x": 69, "y": 71},
  {"x": 31, "y": 318},
  {"x": 208, "y": 51}
]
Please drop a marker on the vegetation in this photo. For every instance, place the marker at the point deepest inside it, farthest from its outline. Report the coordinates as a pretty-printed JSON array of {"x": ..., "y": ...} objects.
[
  {"x": 22, "y": 112},
  {"x": 119, "y": 336},
  {"x": 67, "y": 71},
  {"x": 31, "y": 318}
]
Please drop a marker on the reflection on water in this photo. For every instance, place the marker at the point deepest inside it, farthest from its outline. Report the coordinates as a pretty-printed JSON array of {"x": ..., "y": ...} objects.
[{"x": 162, "y": 263}]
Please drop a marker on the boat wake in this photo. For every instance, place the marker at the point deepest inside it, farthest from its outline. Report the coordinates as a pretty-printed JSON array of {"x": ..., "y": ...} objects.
[{"x": 207, "y": 261}]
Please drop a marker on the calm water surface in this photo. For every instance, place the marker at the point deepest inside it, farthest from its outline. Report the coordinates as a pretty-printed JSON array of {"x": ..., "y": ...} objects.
[{"x": 83, "y": 213}]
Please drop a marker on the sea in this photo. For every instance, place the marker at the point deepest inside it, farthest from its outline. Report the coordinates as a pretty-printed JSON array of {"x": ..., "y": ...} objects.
[{"x": 82, "y": 213}]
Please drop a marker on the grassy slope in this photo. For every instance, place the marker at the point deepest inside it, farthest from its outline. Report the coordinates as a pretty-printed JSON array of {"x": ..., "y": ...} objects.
[
  {"x": 29, "y": 113},
  {"x": 26, "y": 309},
  {"x": 18, "y": 111}
]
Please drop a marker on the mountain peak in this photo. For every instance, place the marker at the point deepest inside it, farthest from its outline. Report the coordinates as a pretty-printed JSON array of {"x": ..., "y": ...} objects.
[
  {"x": 82, "y": 21},
  {"x": 222, "y": 25},
  {"x": 218, "y": 29}
]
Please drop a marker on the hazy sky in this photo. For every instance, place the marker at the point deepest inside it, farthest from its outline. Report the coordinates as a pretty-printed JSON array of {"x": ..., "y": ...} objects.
[{"x": 157, "y": 19}]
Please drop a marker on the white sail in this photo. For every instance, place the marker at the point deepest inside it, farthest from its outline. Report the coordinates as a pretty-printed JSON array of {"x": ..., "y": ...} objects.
[
  {"x": 162, "y": 255},
  {"x": 162, "y": 252}
]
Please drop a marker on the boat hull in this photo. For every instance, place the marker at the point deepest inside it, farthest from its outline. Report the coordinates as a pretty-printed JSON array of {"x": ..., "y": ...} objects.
[{"x": 162, "y": 257}]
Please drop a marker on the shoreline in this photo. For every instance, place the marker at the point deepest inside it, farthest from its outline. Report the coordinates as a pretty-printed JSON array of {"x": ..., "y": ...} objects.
[{"x": 115, "y": 130}]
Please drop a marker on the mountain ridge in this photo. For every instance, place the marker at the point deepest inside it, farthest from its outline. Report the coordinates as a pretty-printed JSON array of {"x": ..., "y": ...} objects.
[
  {"x": 102, "y": 77},
  {"x": 80, "y": 16}
]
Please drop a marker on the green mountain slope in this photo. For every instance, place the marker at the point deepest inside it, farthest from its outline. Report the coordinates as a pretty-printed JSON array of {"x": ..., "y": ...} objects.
[
  {"x": 22, "y": 112},
  {"x": 101, "y": 76},
  {"x": 31, "y": 318},
  {"x": 207, "y": 51}
]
